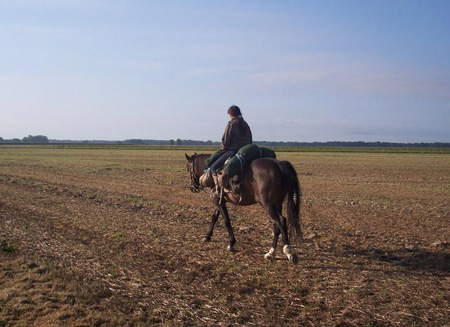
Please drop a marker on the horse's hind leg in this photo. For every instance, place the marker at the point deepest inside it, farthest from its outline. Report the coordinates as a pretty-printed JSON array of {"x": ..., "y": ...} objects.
[
  {"x": 281, "y": 223},
  {"x": 276, "y": 233},
  {"x": 214, "y": 218}
]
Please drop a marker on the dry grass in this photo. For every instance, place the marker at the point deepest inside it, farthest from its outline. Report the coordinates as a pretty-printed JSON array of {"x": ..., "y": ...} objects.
[{"x": 113, "y": 238}]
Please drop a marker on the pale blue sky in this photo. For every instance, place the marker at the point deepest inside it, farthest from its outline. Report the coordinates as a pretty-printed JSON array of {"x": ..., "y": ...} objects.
[{"x": 299, "y": 70}]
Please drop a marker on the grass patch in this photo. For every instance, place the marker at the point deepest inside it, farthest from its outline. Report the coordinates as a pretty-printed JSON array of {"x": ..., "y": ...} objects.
[
  {"x": 118, "y": 236},
  {"x": 8, "y": 249}
]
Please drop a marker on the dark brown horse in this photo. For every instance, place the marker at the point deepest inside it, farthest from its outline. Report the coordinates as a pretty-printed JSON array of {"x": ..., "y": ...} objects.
[{"x": 266, "y": 181}]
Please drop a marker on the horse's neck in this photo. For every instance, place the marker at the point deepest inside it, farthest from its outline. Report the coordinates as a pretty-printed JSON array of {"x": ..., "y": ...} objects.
[{"x": 200, "y": 163}]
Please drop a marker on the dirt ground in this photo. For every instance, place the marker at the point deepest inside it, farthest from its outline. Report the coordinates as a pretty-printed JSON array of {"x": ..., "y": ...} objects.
[{"x": 114, "y": 238}]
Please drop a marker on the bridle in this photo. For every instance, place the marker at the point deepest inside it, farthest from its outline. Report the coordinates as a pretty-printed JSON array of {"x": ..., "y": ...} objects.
[{"x": 195, "y": 185}]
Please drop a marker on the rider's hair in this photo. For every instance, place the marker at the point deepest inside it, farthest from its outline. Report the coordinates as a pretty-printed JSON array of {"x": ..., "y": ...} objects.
[{"x": 234, "y": 111}]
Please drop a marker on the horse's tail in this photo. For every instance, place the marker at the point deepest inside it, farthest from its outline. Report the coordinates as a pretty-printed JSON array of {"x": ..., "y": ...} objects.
[{"x": 294, "y": 197}]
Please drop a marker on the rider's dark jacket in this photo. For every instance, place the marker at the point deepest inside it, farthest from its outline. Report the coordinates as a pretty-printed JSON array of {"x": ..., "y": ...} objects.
[{"x": 237, "y": 134}]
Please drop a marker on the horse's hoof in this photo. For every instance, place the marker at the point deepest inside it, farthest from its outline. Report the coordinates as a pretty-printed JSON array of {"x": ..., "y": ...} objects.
[
  {"x": 207, "y": 239},
  {"x": 231, "y": 248},
  {"x": 270, "y": 255},
  {"x": 293, "y": 258}
]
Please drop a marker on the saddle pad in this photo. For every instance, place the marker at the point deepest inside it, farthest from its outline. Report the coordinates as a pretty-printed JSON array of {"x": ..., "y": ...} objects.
[{"x": 244, "y": 156}]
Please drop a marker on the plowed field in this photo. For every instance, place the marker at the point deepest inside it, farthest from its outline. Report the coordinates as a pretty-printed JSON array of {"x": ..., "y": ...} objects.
[{"x": 113, "y": 237}]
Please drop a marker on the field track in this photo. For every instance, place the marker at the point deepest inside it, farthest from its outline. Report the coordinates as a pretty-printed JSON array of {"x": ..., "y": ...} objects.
[{"x": 113, "y": 237}]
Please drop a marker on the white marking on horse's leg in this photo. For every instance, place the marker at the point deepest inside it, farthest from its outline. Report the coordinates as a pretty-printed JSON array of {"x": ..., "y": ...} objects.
[
  {"x": 230, "y": 248},
  {"x": 270, "y": 255},
  {"x": 292, "y": 257},
  {"x": 287, "y": 250}
]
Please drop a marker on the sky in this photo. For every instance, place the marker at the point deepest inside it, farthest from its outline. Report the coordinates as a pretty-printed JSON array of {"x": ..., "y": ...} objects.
[{"x": 299, "y": 70}]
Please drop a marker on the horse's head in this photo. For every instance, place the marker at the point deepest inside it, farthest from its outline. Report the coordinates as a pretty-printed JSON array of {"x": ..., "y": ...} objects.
[{"x": 194, "y": 172}]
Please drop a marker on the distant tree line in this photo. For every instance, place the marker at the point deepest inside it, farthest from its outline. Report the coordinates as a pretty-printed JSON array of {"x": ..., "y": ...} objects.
[
  {"x": 27, "y": 139},
  {"x": 43, "y": 139}
]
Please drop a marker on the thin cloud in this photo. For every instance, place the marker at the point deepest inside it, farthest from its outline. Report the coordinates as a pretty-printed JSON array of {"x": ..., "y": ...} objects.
[
  {"x": 141, "y": 65},
  {"x": 337, "y": 73}
]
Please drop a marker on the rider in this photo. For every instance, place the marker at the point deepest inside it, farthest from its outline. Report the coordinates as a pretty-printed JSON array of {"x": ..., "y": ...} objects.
[{"x": 237, "y": 134}]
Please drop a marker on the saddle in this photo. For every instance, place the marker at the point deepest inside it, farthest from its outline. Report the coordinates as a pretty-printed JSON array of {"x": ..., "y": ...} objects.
[
  {"x": 229, "y": 185},
  {"x": 206, "y": 180},
  {"x": 223, "y": 181}
]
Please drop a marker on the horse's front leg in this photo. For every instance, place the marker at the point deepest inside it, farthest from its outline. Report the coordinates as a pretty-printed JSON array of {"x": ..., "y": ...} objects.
[
  {"x": 221, "y": 205},
  {"x": 214, "y": 218}
]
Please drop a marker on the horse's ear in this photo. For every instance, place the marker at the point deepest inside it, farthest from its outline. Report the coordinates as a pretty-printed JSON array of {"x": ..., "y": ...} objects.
[{"x": 187, "y": 157}]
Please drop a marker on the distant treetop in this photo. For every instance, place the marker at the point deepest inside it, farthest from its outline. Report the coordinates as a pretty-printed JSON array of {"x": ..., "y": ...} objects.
[{"x": 27, "y": 139}]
